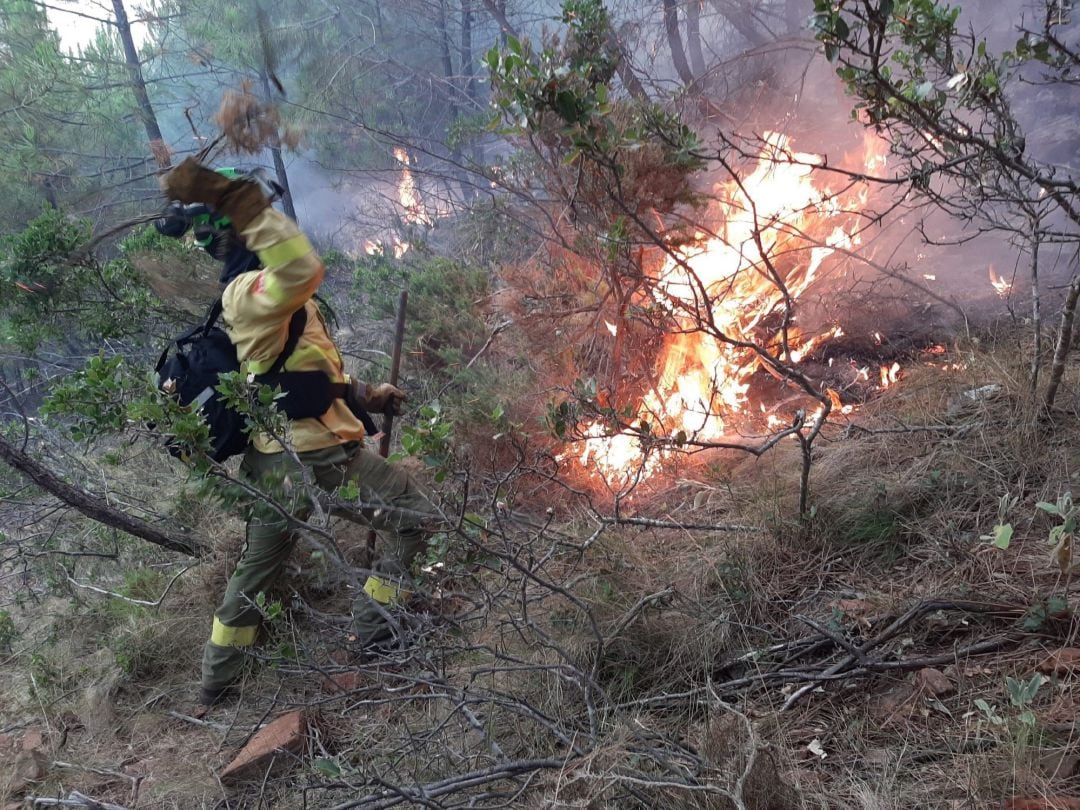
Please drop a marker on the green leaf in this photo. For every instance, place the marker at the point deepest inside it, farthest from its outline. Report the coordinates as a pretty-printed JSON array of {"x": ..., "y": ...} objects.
[
  {"x": 328, "y": 768},
  {"x": 1003, "y": 533},
  {"x": 1035, "y": 618},
  {"x": 831, "y": 52},
  {"x": 1050, "y": 508}
]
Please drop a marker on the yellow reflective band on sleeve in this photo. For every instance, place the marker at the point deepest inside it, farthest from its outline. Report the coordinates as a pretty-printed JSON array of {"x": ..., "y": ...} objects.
[
  {"x": 285, "y": 252},
  {"x": 385, "y": 593},
  {"x": 224, "y": 636}
]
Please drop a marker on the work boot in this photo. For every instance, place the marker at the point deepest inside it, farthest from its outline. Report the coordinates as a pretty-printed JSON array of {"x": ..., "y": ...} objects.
[
  {"x": 382, "y": 595},
  {"x": 211, "y": 697}
]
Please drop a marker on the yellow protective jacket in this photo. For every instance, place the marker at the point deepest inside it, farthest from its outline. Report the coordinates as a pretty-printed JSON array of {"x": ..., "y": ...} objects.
[{"x": 257, "y": 308}]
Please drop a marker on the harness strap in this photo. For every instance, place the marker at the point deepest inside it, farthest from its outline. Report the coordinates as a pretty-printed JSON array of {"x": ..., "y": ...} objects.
[{"x": 297, "y": 325}]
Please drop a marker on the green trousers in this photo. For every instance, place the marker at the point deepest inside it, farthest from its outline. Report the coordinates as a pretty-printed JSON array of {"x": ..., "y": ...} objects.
[{"x": 395, "y": 505}]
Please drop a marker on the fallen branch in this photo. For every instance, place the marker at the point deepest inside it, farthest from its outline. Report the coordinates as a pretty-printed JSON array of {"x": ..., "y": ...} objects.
[
  {"x": 93, "y": 507},
  {"x": 143, "y": 602},
  {"x": 75, "y": 799},
  {"x": 857, "y": 663},
  {"x": 669, "y": 524}
]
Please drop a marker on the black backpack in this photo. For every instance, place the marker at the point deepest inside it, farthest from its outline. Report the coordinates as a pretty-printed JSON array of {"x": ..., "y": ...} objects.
[{"x": 204, "y": 352}]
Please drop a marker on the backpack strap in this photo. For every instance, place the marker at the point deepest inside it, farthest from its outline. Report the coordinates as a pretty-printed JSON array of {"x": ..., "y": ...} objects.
[
  {"x": 212, "y": 316},
  {"x": 297, "y": 325}
]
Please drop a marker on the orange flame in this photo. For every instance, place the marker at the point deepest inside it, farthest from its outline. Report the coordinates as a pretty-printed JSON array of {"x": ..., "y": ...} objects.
[
  {"x": 1001, "y": 286},
  {"x": 728, "y": 280},
  {"x": 408, "y": 194},
  {"x": 889, "y": 374}
]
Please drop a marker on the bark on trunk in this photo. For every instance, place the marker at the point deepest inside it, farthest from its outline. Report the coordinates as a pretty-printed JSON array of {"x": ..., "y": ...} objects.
[
  {"x": 1036, "y": 310},
  {"x": 451, "y": 107},
  {"x": 740, "y": 20},
  {"x": 678, "y": 55},
  {"x": 468, "y": 69},
  {"x": 138, "y": 87},
  {"x": 1064, "y": 342},
  {"x": 693, "y": 38},
  {"x": 92, "y": 506},
  {"x": 626, "y": 73},
  {"x": 497, "y": 9},
  {"x": 275, "y": 153}
]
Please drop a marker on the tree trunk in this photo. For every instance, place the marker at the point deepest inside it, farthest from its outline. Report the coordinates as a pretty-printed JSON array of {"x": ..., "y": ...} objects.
[
  {"x": 497, "y": 9},
  {"x": 693, "y": 37},
  {"x": 468, "y": 69},
  {"x": 500, "y": 5},
  {"x": 275, "y": 152},
  {"x": 1064, "y": 342},
  {"x": 678, "y": 56},
  {"x": 451, "y": 106},
  {"x": 138, "y": 87},
  {"x": 740, "y": 20},
  {"x": 92, "y": 506},
  {"x": 1036, "y": 308}
]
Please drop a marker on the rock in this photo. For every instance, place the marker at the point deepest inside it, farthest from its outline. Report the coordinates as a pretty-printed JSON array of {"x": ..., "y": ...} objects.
[
  {"x": 285, "y": 736},
  {"x": 29, "y": 759},
  {"x": 1046, "y": 803},
  {"x": 933, "y": 682},
  {"x": 343, "y": 682},
  {"x": 33, "y": 739},
  {"x": 1065, "y": 661},
  {"x": 30, "y": 767}
]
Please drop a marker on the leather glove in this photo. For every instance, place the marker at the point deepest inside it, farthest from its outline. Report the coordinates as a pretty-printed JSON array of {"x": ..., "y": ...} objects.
[
  {"x": 191, "y": 182},
  {"x": 379, "y": 398}
]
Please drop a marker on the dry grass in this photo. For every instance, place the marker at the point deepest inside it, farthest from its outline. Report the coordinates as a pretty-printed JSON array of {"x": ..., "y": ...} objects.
[{"x": 899, "y": 517}]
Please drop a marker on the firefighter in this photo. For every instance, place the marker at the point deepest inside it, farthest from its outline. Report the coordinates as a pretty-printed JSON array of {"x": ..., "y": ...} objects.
[{"x": 271, "y": 270}]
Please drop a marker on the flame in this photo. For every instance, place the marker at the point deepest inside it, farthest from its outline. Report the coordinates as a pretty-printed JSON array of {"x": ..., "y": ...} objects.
[
  {"x": 376, "y": 247},
  {"x": 776, "y": 223},
  {"x": 1001, "y": 286},
  {"x": 408, "y": 194},
  {"x": 889, "y": 374}
]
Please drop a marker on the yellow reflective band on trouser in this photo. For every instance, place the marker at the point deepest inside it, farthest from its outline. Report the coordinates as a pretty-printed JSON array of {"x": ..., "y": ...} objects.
[
  {"x": 224, "y": 636},
  {"x": 285, "y": 252},
  {"x": 385, "y": 593}
]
